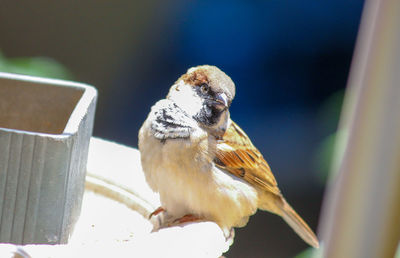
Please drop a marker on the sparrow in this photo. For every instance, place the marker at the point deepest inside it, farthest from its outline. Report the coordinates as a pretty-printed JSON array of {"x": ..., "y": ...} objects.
[{"x": 202, "y": 164}]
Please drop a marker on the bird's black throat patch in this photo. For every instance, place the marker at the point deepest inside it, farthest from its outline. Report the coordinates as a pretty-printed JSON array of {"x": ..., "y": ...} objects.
[{"x": 208, "y": 114}]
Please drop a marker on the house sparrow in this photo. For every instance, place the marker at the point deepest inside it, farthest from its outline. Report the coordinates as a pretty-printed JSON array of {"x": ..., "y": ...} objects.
[{"x": 202, "y": 164}]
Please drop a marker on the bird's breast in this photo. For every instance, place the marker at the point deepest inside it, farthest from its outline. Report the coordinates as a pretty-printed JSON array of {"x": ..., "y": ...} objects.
[{"x": 182, "y": 172}]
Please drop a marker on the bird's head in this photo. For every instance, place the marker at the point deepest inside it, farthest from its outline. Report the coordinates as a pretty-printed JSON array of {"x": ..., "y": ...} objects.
[{"x": 205, "y": 93}]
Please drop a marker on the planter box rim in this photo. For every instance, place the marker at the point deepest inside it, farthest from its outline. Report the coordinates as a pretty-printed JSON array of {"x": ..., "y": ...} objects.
[{"x": 77, "y": 114}]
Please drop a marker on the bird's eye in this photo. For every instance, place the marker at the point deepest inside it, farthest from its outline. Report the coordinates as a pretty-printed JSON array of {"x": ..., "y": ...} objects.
[{"x": 204, "y": 88}]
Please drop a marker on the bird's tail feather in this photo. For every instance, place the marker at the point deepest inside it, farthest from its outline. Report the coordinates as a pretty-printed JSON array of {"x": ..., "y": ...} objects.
[{"x": 298, "y": 224}]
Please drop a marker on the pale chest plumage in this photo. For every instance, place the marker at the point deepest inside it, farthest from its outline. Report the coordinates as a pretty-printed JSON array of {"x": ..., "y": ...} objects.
[{"x": 182, "y": 172}]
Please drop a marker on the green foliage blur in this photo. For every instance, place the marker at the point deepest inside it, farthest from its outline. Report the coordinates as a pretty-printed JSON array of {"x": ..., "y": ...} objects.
[
  {"x": 310, "y": 253},
  {"x": 328, "y": 119},
  {"x": 35, "y": 66}
]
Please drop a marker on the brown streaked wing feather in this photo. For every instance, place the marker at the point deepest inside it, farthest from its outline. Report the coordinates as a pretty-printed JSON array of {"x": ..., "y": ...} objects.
[{"x": 237, "y": 155}]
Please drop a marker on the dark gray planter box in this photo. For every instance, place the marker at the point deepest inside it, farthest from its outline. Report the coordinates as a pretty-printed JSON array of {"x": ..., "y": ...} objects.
[{"x": 45, "y": 128}]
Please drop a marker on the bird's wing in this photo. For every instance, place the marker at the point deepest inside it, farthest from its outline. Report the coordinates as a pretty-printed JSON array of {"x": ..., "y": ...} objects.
[{"x": 237, "y": 155}]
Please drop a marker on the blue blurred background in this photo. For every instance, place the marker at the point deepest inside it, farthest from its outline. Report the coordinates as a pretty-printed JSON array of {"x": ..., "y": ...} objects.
[{"x": 289, "y": 60}]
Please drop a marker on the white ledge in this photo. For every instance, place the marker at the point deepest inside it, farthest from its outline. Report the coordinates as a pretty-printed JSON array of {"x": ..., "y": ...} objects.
[{"x": 116, "y": 205}]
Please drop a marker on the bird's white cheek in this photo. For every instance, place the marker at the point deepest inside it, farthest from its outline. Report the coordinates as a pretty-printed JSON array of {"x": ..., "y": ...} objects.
[{"x": 187, "y": 99}]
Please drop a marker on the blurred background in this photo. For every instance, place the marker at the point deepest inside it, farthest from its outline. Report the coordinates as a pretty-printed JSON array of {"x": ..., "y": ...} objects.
[{"x": 289, "y": 60}]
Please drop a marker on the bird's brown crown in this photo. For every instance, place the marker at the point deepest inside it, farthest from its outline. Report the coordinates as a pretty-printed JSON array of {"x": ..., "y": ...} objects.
[
  {"x": 196, "y": 78},
  {"x": 211, "y": 75}
]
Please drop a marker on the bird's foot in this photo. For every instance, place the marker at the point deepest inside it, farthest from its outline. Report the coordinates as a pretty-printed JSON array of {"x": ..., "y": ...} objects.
[
  {"x": 156, "y": 212},
  {"x": 185, "y": 219}
]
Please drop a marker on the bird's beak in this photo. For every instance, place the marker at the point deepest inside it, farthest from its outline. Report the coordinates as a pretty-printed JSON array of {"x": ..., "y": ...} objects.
[{"x": 221, "y": 101}]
